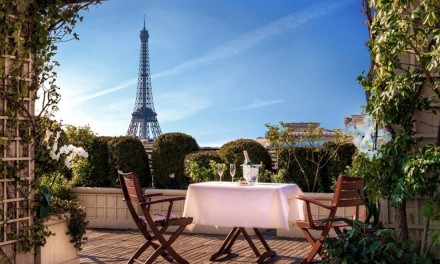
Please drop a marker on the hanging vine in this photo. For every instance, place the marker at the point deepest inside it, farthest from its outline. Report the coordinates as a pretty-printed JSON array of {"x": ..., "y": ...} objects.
[{"x": 30, "y": 31}]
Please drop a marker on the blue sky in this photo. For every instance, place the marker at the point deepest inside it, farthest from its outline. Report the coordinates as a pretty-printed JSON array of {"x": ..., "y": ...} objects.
[{"x": 220, "y": 70}]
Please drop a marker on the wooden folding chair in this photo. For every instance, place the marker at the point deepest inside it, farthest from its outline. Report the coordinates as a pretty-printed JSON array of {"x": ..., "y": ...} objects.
[
  {"x": 349, "y": 192},
  {"x": 157, "y": 223}
]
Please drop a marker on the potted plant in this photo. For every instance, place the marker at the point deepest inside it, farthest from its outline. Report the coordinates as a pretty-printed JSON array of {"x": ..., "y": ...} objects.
[{"x": 58, "y": 215}]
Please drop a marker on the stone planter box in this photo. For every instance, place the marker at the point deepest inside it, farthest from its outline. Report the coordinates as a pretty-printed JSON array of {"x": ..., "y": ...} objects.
[{"x": 58, "y": 249}]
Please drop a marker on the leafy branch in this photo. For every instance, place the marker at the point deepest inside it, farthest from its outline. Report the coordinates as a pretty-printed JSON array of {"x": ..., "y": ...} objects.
[{"x": 29, "y": 33}]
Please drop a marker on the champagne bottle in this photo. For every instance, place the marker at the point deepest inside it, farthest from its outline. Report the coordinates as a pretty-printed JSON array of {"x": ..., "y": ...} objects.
[{"x": 247, "y": 161}]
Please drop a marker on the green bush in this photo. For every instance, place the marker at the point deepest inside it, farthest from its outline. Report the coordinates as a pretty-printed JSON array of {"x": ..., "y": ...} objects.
[
  {"x": 356, "y": 246},
  {"x": 232, "y": 152},
  {"x": 80, "y": 136},
  {"x": 339, "y": 164},
  {"x": 81, "y": 172},
  {"x": 100, "y": 175},
  {"x": 328, "y": 174},
  {"x": 293, "y": 171},
  {"x": 128, "y": 154},
  {"x": 59, "y": 186},
  {"x": 169, "y": 152},
  {"x": 279, "y": 176},
  {"x": 198, "y": 166}
]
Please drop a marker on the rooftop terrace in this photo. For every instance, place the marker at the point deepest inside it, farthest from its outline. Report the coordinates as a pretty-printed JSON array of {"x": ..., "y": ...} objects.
[{"x": 116, "y": 246}]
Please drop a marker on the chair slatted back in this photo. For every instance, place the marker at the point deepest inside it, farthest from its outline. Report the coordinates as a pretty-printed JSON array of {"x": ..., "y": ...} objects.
[
  {"x": 132, "y": 194},
  {"x": 349, "y": 192},
  {"x": 152, "y": 229},
  {"x": 134, "y": 188}
]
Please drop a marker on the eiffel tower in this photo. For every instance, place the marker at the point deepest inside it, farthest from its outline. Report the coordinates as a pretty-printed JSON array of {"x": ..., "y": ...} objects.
[{"x": 144, "y": 116}]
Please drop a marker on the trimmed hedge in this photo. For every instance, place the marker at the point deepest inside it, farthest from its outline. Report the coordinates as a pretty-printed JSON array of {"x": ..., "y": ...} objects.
[
  {"x": 232, "y": 152},
  {"x": 128, "y": 154},
  {"x": 100, "y": 176},
  {"x": 169, "y": 152}
]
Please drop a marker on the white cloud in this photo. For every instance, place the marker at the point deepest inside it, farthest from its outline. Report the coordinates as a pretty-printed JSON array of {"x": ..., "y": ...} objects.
[
  {"x": 85, "y": 97},
  {"x": 120, "y": 105},
  {"x": 108, "y": 122},
  {"x": 252, "y": 38},
  {"x": 259, "y": 103},
  {"x": 177, "y": 106}
]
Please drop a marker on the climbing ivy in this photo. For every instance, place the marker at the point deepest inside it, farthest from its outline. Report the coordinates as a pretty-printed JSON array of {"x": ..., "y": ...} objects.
[
  {"x": 30, "y": 31},
  {"x": 402, "y": 85}
]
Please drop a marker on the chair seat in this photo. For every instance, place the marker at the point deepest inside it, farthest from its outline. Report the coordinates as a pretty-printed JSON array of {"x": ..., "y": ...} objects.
[
  {"x": 319, "y": 224},
  {"x": 159, "y": 219}
]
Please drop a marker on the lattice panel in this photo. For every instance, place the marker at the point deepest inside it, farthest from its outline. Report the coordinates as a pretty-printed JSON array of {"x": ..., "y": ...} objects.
[{"x": 17, "y": 165}]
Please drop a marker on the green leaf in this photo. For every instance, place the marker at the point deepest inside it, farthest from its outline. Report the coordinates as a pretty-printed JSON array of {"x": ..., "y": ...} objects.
[{"x": 430, "y": 19}]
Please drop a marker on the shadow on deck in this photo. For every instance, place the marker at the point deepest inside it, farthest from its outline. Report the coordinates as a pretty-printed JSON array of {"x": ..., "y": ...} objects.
[{"x": 116, "y": 246}]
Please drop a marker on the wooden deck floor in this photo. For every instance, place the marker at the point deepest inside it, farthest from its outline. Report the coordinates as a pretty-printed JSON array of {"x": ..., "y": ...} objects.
[{"x": 116, "y": 246}]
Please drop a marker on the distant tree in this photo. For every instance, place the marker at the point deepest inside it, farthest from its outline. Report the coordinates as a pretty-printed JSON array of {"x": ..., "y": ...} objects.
[
  {"x": 80, "y": 136},
  {"x": 311, "y": 141}
]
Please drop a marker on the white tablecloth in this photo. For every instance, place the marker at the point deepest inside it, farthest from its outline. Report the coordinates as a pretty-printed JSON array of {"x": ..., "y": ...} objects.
[{"x": 227, "y": 204}]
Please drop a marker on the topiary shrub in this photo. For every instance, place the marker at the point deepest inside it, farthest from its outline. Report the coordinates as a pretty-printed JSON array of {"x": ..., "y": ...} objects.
[
  {"x": 128, "y": 154},
  {"x": 232, "y": 152},
  {"x": 198, "y": 165},
  {"x": 169, "y": 152},
  {"x": 100, "y": 175}
]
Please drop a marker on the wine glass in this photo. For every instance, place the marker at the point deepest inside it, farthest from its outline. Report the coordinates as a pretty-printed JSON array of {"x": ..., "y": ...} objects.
[
  {"x": 220, "y": 169},
  {"x": 232, "y": 171}
]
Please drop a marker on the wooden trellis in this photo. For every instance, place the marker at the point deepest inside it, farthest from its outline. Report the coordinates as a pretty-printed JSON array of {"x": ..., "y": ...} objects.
[{"x": 17, "y": 156}]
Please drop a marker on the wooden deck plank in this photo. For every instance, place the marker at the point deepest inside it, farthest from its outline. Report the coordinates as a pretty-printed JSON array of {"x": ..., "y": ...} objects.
[{"x": 116, "y": 246}]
